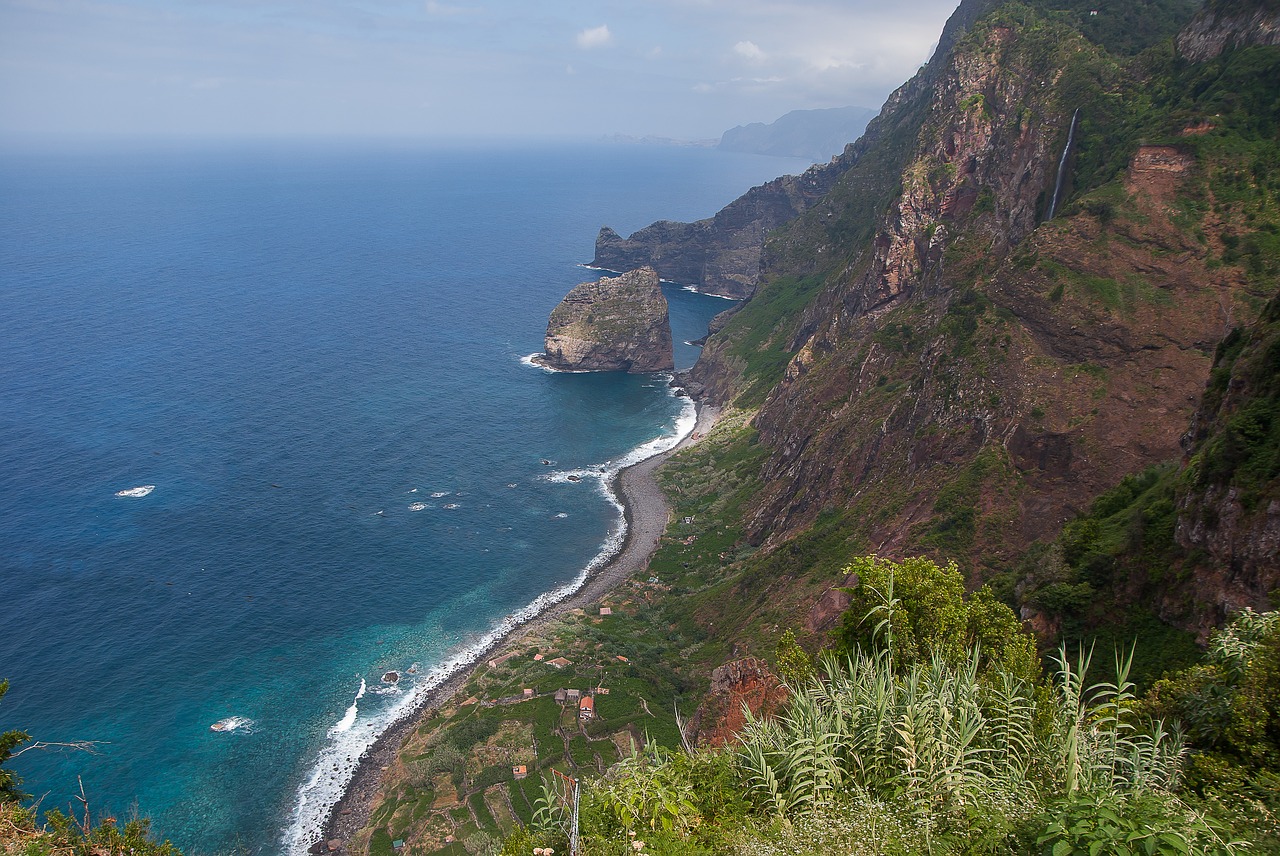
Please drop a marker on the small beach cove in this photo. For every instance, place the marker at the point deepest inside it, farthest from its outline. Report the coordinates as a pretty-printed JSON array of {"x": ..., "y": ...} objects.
[{"x": 646, "y": 513}]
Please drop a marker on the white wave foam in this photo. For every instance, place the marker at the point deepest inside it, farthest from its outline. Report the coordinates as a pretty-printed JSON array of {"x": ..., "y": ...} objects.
[
  {"x": 349, "y": 718},
  {"x": 418, "y": 506},
  {"x": 530, "y": 360},
  {"x": 685, "y": 423},
  {"x": 136, "y": 492},
  {"x": 570, "y": 476},
  {"x": 697, "y": 290},
  {"x": 338, "y": 759},
  {"x": 561, "y": 516},
  {"x": 233, "y": 723}
]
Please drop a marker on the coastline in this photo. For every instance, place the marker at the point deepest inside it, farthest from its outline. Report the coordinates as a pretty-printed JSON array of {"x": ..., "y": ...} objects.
[{"x": 646, "y": 514}]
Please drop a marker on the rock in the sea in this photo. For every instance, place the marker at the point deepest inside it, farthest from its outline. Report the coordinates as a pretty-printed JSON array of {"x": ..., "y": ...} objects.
[{"x": 619, "y": 324}]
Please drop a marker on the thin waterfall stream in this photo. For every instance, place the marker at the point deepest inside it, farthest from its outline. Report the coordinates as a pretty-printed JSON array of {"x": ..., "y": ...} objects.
[{"x": 1062, "y": 164}]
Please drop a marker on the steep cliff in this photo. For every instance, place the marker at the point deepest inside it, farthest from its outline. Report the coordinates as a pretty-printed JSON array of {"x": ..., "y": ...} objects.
[
  {"x": 1229, "y": 510},
  {"x": 938, "y": 370},
  {"x": 722, "y": 254},
  {"x": 1193, "y": 540},
  {"x": 1224, "y": 24},
  {"x": 615, "y": 324}
]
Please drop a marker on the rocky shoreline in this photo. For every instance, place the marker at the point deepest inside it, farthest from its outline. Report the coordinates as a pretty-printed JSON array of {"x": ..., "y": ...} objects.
[{"x": 646, "y": 513}]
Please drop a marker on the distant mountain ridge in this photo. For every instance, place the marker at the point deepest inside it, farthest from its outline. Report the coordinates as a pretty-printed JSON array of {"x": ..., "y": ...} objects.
[{"x": 816, "y": 134}]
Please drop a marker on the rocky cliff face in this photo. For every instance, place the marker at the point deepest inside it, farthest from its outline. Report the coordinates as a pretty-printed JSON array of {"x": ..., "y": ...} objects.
[
  {"x": 1224, "y": 24},
  {"x": 722, "y": 255},
  {"x": 939, "y": 371},
  {"x": 736, "y": 687},
  {"x": 1230, "y": 510},
  {"x": 616, "y": 324}
]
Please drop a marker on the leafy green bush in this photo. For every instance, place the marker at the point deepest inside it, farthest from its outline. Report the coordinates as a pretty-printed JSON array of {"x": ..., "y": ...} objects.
[
  {"x": 1129, "y": 825},
  {"x": 926, "y": 610},
  {"x": 1230, "y": 709}
]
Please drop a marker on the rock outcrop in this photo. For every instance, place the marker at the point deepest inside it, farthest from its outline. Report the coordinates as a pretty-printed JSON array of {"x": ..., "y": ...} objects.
[
  {"x": 1224, "y": 24},
  {"x": 618, "y": 324},
  {"x": 742, "y": 683}
]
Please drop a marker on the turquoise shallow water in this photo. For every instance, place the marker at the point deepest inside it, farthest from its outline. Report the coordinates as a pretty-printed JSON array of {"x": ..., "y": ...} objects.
[{"x": 313, "y": 353}]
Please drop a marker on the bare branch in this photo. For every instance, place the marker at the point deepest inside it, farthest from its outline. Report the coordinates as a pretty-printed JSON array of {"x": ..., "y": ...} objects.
[{"x": 90, "y": 746}]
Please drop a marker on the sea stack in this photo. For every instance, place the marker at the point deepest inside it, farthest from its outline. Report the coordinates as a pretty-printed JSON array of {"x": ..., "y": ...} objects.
[{"x": 619, "y": 324}]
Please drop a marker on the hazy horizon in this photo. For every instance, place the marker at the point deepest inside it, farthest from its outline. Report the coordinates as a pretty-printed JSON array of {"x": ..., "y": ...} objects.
[{"x": 235, "y": 69}]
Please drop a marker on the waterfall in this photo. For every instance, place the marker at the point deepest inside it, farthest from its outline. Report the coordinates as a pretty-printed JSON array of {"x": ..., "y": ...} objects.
[{"x": 1062, "y": 164}]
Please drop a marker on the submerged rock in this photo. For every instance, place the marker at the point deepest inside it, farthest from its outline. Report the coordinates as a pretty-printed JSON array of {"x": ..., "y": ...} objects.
[{"x": 617, "y": 324}]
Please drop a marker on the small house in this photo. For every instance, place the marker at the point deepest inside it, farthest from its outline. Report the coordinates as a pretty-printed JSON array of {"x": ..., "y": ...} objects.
[
  {"x": 604, "y": 610},
  {"x": 573, "y": 695},
  {"x": 498, "y": 661},
  {"x": 558, "y": 662},
  {"x": 527, "y": 692},
  {"x": 519, "y": 771},
  {"x": 587, "y": 707},
  {"x": 561, "y": 695}
]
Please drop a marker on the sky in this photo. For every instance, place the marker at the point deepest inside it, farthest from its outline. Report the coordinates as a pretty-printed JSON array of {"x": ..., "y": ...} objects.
[{"x": 683, "y": 69}]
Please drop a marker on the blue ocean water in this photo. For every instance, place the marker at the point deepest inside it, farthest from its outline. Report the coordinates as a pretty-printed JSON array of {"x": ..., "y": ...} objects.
[{"x": 313, "y": 353}]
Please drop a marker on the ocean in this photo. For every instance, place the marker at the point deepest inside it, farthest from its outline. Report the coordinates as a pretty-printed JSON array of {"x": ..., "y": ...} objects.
[{"x": 267, "y": 432}]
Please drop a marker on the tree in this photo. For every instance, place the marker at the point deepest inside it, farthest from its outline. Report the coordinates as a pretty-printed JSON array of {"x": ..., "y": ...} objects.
[
  {"x": 925, "y": 608},
  {"x": 9, "y": 741}
]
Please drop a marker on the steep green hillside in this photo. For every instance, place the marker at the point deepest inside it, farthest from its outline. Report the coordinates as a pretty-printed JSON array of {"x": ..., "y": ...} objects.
[
  {"x": 1197, "y": 538},
  {"x": 937, "y": 370}
]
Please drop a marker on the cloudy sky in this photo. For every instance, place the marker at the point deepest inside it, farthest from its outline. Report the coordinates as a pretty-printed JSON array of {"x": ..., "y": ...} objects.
[{"x": 686, "y": 69}]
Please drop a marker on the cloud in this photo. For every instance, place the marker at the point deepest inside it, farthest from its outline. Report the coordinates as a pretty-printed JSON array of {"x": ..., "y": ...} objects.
[
  {"x": 749, "y": 51},
  {"x": 595, "y": 37}
]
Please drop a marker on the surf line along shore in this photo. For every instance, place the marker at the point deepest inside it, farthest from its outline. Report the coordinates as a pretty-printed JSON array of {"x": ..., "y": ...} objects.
[{"x": 646, "y": 513}]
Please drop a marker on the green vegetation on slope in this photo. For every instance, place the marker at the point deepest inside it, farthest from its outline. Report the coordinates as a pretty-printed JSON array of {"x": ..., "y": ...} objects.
[
  {"x": 1123, "y": 27},
  {"x": 1239, "y": 446},
  {"x": 883, "y": 753}
]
